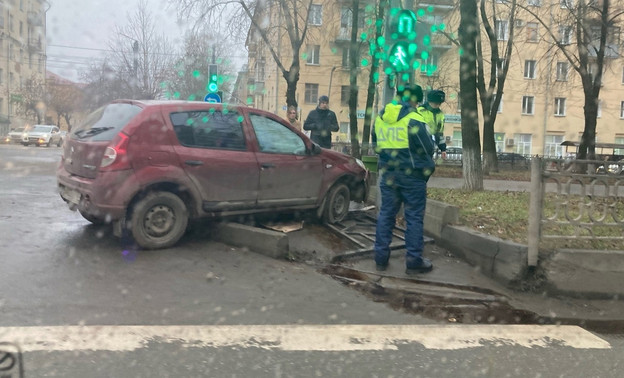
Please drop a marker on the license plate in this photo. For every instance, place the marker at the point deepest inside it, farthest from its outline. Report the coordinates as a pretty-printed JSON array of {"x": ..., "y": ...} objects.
[{"x": 71, "y": 196}]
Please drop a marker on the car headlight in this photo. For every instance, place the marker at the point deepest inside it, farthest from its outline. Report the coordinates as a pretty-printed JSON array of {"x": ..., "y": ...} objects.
[{"x": 360, "y": 163}]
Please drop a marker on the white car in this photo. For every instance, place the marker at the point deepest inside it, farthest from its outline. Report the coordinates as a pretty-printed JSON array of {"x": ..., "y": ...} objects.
[
  {"x": 43, "y": 135},
  {"x": 16, "y": 135}
]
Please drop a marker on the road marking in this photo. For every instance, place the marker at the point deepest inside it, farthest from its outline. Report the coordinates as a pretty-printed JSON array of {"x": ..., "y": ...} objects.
[{"x": 299, "y": 337}]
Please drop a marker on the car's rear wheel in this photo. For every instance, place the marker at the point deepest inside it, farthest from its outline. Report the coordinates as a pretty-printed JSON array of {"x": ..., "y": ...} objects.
[
  {"x": 158, "y": 220},
  {"x": 92, "y": 218},
  {"x": 336, "y": 204}
]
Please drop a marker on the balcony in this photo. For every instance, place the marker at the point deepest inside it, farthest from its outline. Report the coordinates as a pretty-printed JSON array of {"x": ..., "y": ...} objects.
[
  {"x": 34, "y": 18},
  {"x": 34, "y": 44}
]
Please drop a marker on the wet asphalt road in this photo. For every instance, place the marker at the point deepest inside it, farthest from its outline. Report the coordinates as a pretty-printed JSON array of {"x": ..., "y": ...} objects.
[{"x": 58, "y": 270}]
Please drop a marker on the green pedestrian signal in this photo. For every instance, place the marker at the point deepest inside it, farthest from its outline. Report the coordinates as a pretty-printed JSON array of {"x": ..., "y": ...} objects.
[{"x": 213, "y": 77}]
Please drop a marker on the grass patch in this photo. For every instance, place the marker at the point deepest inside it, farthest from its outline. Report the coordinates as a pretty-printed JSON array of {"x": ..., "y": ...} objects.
[{"x": 505, "y": 215}]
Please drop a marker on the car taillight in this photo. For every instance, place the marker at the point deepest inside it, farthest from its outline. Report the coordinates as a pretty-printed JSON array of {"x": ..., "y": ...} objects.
[{"x": 116, "y": 156}]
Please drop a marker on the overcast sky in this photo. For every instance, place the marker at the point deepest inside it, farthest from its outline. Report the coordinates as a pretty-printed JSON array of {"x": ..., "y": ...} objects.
[{"x": 78, "y": 30}]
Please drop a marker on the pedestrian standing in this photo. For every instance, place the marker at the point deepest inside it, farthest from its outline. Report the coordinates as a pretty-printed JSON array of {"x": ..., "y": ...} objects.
[
  {"x": 405, "y": 147},
  {"x": 321, "y": 122},
  {"x": 434, "y": 117},
  {"x": 291, "y": 115}
]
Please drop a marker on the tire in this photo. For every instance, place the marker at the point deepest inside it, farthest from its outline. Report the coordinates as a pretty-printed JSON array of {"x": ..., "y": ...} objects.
[
  {"x": 336, "y": 204},
  {"x": 92, "y": 218},
  {"x": 158, "y": 220}
]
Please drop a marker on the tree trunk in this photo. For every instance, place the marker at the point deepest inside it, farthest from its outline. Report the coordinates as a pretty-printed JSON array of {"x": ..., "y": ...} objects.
[
  {"x": 292, "y": 77},
  {"x": 353, "y": 87},
  {"x": 373, "y": 77},
  {"x": 468, "y": 29}
]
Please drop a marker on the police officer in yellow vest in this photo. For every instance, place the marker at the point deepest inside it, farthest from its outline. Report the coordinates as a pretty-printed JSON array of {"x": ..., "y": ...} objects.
[
  {"x": 405, "y": 147},
  {"x": 434, "y": 117}
]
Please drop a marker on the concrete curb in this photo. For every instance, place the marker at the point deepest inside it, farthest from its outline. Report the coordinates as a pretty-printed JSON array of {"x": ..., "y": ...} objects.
[
  {"x": 585, "y": 273},
  {"x": 267, "y": 242}
]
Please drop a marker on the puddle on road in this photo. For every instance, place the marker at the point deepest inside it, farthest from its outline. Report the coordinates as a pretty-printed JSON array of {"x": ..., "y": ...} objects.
[{"x": 451, "y": 304}]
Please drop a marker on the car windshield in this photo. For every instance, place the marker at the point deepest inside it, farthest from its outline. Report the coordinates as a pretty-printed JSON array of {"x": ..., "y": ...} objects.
[{"x": 42, "y": 129}]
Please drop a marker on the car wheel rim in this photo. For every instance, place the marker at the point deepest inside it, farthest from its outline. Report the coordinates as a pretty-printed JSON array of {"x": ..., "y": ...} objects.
[
  {"x": 339, "y": 204},
  {"x": 159, "y": 220}
]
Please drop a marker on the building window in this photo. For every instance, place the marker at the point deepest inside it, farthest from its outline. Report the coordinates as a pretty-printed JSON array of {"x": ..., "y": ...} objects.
[
  {"x": 565, "y": 35},
  {"x": 344, "y": 95},
  {"x": 500, "y": 67},
  {"x": 622, "y": 109},
  {"x": 553, "y": 146},
  {"x": 502, "y": 30},
  {"x": 345, "y": 57},
  {"x": 315, "y": 16},
  {"x": 566, "y": 3},
  {"x": 344, "y": 127},
  {"x": 528, "y": 105},
  {"x": 1, "y": 16},
  {"x": 616, "y": 151},
  {"x": 529, "y": 69},
  {"x": 11, "y": 22},
  {"x": 429, "y": 66},
  {"x": 593, "y": 69},
  {"x": 534, "y": 3},
  {"x": 560, "y": 106},
  {"x": 523, "y": 143},
  {"x": 499, "y": 140},
  {"x": 599, "y": 111},
  {"x": 457, "y": 138},
  {"x": 311, "y": 93},
  {"x": 500, "y": 105},
  {"x": 532, "y": 32},
  {"x": 313, "y": 54},
  {"x": 562, "y": 71},
  {"x": 1, "y": 76}
]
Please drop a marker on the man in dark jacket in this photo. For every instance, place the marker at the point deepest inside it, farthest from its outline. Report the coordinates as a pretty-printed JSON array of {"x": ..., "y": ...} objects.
[
  {"x": 321, "y": 122},
  {"x": 405, "y": 147}
]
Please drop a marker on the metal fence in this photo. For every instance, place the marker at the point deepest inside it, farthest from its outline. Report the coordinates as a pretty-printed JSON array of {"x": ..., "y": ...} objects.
[{"x": 585, "y": 198}]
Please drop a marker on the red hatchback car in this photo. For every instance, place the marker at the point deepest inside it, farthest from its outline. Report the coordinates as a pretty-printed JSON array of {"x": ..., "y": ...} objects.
[{"x": 150, "y": 166}]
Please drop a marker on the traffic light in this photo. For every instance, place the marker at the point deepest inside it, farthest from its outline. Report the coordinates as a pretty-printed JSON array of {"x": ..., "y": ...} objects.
[
  {"x": 213, "y": 76},
  {"x": 409, "y": 39}
]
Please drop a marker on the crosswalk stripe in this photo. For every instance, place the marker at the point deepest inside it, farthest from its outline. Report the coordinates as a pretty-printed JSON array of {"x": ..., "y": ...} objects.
[{"x": 298, "y": 337}]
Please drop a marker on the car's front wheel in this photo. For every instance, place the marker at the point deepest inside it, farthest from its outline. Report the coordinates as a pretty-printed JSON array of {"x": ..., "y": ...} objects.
[
  {"x": 336, "y": 204},
  {"x": 158, "y": 220}
]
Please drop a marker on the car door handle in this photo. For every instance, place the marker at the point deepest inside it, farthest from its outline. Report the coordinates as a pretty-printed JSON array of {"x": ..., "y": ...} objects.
[
  {"x": 267, "y": 165},
  {"x": 194, "y": 162}
]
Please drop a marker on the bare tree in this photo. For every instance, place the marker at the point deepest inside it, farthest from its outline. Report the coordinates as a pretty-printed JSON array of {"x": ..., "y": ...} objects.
[
  {"x": 238, "y": 15},
  {"x": 139, "y": 61},
  {"x": 189, "y": 78},
  {"x": 594, "y": 26},
  {"x": 491, "y": 96},
  {"x": 30, "y": 100},
  {"x": 65, "y": 99}
]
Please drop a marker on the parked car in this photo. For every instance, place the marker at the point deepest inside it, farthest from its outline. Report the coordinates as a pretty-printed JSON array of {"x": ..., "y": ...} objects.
[
  {"x": 151, "y": 166},
  {"x": 16, "y": 135},
  {"x": 43, "y": 135},
  {"x": 513, "y": 159}
]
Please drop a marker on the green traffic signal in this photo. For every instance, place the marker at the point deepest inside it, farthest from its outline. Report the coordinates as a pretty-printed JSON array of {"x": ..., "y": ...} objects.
[{"x": 406, "y": 23}]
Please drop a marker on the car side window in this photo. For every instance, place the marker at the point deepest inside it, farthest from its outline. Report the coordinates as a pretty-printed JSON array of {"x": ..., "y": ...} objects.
[
  {"x": 273, "y": 137},
  {"x": 209, "y": 129}
]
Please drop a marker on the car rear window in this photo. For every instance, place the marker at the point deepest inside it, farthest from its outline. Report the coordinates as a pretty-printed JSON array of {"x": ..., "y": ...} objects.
[{"x": 104, "y": 123}]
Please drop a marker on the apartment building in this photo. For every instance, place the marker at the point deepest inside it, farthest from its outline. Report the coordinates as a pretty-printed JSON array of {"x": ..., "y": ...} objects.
[
  {"x": 543, "y": 99},
  {"x": 22, "y": 53}
]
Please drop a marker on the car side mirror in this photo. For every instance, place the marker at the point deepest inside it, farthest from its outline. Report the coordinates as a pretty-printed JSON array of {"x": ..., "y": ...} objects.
[{"x": 315, "y": 150}]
